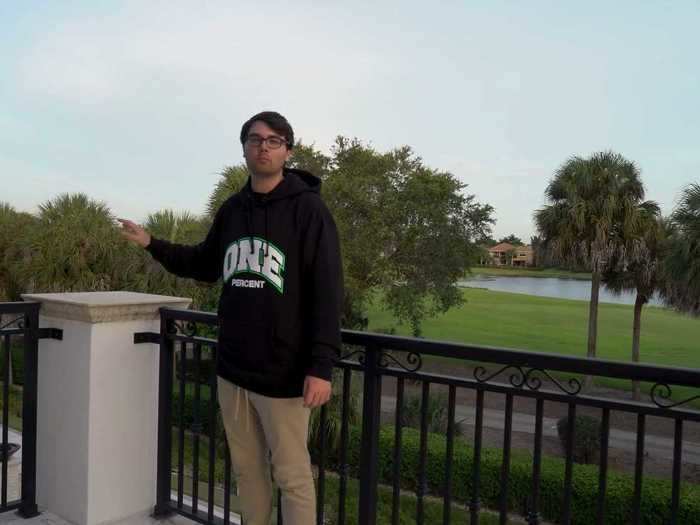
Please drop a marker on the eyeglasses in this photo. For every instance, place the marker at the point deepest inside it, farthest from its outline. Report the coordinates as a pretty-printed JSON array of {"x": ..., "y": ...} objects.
[{"x": 273, "y": 142}]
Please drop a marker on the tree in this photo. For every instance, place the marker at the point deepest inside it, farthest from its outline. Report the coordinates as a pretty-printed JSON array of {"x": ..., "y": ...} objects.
[
  {"x": 310, "y": 159},
  {"x": 639, "y": 268},
  {"x": 151, "y": 277},
  {"x": 682, "y": 263},
  {"x": 76, "y": 246},
  {"x": 539, "y": 256},
  {"x": 14, "y": 253},
  {"x": 512, "y": 239},
  {"x": 592, "y": 205},
  {"x": 233, "y": 178},
  {"x": 406, "y": 230},
  {"x": 408, "y": 234}
]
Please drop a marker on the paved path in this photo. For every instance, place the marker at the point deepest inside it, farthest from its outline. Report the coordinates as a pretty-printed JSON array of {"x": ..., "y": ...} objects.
[{"x": 656, "y": 446}]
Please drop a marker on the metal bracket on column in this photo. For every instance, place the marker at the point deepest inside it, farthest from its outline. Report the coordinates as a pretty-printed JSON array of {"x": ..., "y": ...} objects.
[
  {"x": 147, "y": 337},
  {"x": 51, "y": 333}
]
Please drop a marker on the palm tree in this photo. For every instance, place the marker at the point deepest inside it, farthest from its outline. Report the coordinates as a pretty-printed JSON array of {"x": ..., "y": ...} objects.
[
  {"x": 183, "y": 227},
  {"x": 592, "y": 205},
  {"x": 639, "y": 267},
  {"x": 75, "y": 246},
  {"x": 14, "y": 226},
  {"x": 682, "y": 264},
  {"x": 12, "y": 254},
  {"x": 233, "y": 178},
  {"x": 151, "y": 277}
]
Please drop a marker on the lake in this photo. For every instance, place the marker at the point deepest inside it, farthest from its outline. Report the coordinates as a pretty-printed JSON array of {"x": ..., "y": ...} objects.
[{"x": 550, "y": 287}]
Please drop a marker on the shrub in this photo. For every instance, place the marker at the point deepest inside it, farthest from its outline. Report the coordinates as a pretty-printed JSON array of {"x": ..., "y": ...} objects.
[
  {"x": 656, "y": 493},
  {"x": 17, "y": 356},
  {"x": 188, "y": 409},
  {"x": 333, "y": 424},
  {"x": 436, "y": 413},
  {"x": 586, "y": 438},
  {"x": 206, "y": 368}
]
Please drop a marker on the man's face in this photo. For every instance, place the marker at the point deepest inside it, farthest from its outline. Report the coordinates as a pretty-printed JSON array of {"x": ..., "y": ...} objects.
[{"x": 263, "y": 159}]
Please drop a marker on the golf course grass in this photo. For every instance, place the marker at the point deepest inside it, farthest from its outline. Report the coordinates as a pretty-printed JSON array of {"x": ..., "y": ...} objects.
[{"x": 559, "y": 326}]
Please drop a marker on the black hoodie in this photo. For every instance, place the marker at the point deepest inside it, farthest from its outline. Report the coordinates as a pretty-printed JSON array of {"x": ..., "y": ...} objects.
[{"x": 279, "y": 258}]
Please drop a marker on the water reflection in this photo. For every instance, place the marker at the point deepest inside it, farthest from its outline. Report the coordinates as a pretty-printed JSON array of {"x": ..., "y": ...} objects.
[{"x": 550, "y": 287}]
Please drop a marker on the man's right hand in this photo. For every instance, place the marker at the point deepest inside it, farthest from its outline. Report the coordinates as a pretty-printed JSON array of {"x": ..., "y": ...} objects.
[{"x": 135, "y": 233}]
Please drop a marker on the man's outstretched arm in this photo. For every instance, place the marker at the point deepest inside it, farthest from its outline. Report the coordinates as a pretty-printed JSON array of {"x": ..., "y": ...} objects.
[{"x": 199, "y": 261}]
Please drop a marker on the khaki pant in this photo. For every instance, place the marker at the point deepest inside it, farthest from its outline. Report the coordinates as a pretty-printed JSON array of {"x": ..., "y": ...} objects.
[{"x": 262, "y": 432}]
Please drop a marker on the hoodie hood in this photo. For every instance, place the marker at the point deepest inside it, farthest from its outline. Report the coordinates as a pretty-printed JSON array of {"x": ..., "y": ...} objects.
[{"x": 295, "y": 181}]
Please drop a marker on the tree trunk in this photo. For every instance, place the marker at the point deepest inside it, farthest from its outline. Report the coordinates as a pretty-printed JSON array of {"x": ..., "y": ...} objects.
[
  {"x": 636, "y": 330},
  {"x": 593, "y": 322}
]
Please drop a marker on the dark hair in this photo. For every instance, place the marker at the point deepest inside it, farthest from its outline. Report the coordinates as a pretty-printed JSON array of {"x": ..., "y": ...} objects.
[{"x": 273, "y": 119}]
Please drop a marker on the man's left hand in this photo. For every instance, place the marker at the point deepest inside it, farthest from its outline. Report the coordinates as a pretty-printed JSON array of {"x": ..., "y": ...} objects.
[{"x": 317, "y": 391}]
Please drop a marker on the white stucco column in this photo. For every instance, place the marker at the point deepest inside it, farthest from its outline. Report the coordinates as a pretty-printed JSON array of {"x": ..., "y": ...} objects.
[{"x": 98, "y": 405}]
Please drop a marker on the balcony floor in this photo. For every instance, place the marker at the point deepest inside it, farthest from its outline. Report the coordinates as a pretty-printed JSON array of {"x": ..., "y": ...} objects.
[{"x": 46, "y": 518}]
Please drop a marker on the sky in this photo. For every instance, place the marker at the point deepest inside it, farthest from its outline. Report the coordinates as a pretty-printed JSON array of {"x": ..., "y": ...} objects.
[{"x": 139, "y": 104}]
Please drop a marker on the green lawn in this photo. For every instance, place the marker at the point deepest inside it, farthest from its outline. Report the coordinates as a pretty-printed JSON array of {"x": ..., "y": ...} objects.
[
  {"x": 530, "y": 272},
  {"x": 560, "y": 326}
]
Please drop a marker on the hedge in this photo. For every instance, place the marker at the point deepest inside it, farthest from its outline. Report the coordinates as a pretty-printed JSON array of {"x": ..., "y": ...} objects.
[
  {"x": 655, "y": 500},
  {"x": 656, "y": 493},
  {"x": 206, "y": 368},
  {"x": 17, "y": 363},
  {"x": 188, "y": 412}
]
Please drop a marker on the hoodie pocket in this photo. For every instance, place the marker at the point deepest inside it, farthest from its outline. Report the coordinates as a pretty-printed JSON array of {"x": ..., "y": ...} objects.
[{"x": 247, "y": 346}]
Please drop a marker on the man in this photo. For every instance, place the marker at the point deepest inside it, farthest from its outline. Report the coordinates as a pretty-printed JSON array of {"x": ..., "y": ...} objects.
[{"x": 275, "y": 246}]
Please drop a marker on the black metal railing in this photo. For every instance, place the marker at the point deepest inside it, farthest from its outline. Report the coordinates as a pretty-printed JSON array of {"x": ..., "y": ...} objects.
[
  {"x": 19, "y": 335},
  {"x": 382, "y": 464}
]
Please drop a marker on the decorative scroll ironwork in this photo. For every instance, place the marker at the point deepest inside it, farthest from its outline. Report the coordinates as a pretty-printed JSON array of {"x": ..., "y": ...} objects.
[
  {"x": 186, "y": 328},
  {"x": 534, "y": 382},
  {"x": 360, "y": 353},
  {"x": 522, "y": 377},
  {"x": 482, "y": 375},
  {"x": 19, "y": 321},
  {"x": 414, "y": 360},
  {"x": 661, "y": 396}
]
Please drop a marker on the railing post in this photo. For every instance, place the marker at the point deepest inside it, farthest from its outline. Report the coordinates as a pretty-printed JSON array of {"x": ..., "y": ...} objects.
[
  {"x": 28, "y": 507},
  {"x": 369, "y": 448},
  {"x": 165, "y": 387}
]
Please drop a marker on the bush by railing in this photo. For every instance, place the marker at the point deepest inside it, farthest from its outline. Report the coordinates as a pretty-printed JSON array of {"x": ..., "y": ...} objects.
[
  {"x": 655, "y": 501},
  {"x": 586, "y": 446},
  {"x": 17, "y": 354},
  {"x": 656, "y": 493}
]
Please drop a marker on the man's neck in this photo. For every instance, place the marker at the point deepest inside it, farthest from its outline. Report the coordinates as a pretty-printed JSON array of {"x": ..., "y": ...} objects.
[{"x": 265, "y": 183}]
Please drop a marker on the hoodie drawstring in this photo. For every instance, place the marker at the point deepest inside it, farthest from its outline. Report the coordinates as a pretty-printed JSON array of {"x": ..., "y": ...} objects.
[
  {"x": 249, "y": 219},
  {"x": 267, "y": 242}
]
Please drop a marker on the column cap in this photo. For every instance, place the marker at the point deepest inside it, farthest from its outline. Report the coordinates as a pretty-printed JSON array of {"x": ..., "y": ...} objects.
[{"x": 104, "y": 307}]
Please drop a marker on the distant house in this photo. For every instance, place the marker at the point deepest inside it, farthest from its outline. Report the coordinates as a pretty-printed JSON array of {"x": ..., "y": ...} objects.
[
  {"x": 506, "y": 254},
  {"x": 524, "y": 256}
]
